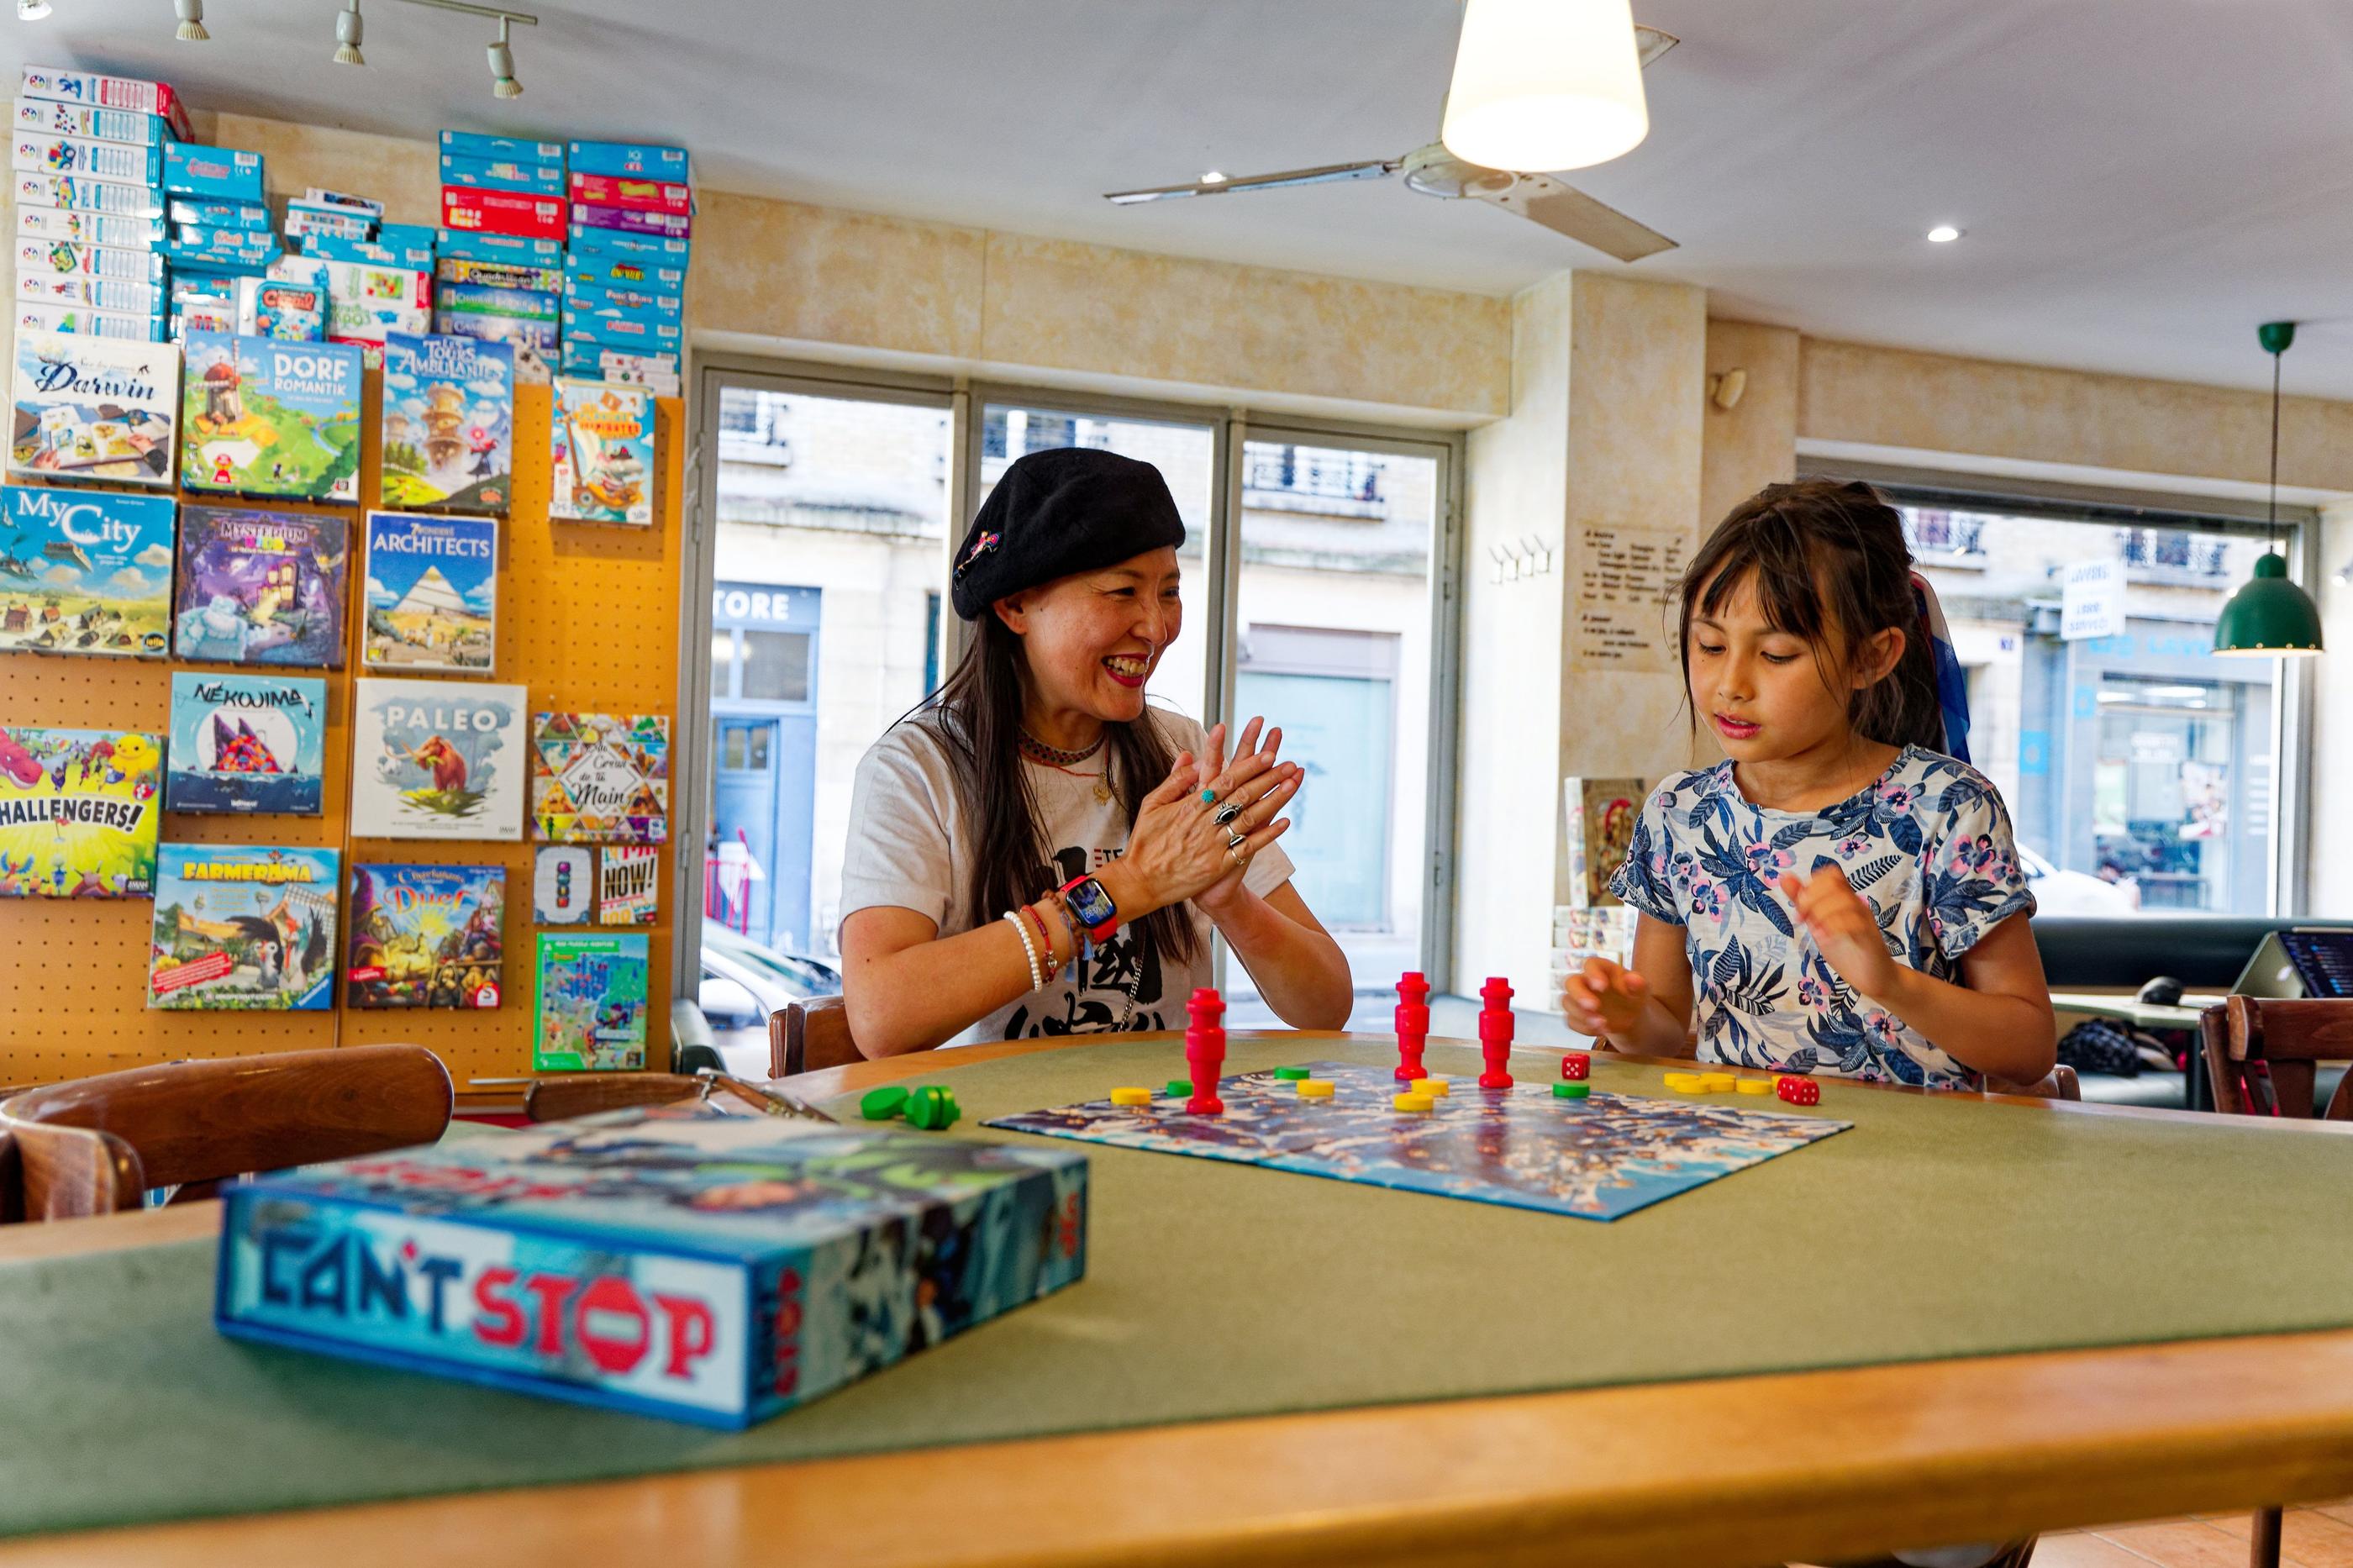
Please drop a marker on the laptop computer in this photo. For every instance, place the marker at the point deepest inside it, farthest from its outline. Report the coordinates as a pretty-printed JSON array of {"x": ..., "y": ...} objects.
[{"x": 2302, "y": 961}]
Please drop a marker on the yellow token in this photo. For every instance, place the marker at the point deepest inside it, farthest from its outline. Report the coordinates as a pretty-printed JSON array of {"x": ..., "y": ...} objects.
[
  {"x": 1685, "y": 1081},
  {"x": 1413, "y": 1102},
  {"x": 1720, "y": 1082},
  {"x": 1433, "y": 1087},
  {"x": 1314, "y": 1088},
  {"x": 1131, "y": 1097},
  {"x": 1755, "y": 1086}
]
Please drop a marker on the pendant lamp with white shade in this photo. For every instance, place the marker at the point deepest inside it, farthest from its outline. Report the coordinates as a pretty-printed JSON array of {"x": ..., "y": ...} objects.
[
  {"x": 1545, "y": 84},
  {"x": 2270, "y": 617}
]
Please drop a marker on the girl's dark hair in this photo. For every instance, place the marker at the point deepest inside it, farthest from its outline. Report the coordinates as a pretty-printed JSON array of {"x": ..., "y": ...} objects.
[
  {"x": 1825, "y": 553},
  {"x": 980, "y": 707}
]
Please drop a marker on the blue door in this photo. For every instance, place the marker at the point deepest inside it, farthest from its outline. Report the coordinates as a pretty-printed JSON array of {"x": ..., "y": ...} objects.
[{"x": 744, "y": 813}]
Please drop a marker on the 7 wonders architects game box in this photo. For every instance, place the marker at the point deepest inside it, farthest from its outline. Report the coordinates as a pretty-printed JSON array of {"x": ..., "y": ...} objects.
[{"x": 676, "y": 1261}]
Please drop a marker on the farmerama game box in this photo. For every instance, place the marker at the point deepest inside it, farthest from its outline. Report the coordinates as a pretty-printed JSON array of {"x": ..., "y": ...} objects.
[{"x": 678, "y": 1260}]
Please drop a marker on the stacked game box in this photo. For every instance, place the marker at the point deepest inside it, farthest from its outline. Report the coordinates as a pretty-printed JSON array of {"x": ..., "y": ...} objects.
[
  {"x": 499, "y": 266},
  {"x": 87, "y": 159},
  {"x": 625, "y": 265},
  {"x": 674, "y": 1261},
  {"x": 375, "y": 277},
  {"x": 1597, "y": 827}
]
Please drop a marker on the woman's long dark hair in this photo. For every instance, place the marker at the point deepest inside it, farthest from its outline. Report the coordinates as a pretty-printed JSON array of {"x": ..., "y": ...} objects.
[
  {"x": 1825, "y": 553},
  {"x": 979, "y": 705}
]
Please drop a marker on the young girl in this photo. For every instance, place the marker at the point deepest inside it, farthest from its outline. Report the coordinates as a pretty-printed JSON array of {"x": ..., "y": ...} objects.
[{"x": 1839, "y": 895}]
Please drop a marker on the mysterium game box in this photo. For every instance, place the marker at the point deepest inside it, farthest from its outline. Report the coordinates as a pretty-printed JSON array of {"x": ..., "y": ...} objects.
[{"x": 673, "y": 1261}]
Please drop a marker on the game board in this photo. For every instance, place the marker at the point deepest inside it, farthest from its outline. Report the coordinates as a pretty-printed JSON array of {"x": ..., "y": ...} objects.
[{"x": 1597, "y": 1157}]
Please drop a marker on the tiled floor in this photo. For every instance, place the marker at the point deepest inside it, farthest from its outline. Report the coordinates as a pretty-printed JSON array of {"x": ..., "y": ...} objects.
[{"x": 2319, "y": 1537}]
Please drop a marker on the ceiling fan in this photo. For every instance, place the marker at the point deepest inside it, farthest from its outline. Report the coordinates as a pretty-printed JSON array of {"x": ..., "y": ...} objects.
[{"x": 1432, "y": 171}]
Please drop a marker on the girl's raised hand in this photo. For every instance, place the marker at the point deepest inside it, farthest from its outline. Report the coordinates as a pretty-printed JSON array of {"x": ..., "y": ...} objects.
[
  {"x": 1842, "y": 926},
  {"x": 1604, "y": 998}
]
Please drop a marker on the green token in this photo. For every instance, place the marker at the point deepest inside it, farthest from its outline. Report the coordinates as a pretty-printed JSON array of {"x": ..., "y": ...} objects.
[
  {"x": 1291, "y": 1072},
  {"x": 933, "y": 1107},
  {"x": 1570, "y": 1090},
  {"x": 882, "y": 1104},
  {"x": 1177, "y": 1086}
]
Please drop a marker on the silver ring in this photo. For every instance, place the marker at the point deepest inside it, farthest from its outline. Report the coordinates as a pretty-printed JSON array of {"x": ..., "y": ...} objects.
[
  {"x": 1226, "y": 812},
  {"x": 1234, "y": 852},
  {"x": 1236, "y": 840}
]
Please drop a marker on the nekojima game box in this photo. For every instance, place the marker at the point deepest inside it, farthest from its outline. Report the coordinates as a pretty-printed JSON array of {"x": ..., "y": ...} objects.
[{"x": 676, "y": 1261}]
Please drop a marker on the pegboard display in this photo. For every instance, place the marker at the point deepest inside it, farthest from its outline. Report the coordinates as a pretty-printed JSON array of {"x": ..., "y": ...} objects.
[{"x": 588, "y": 619}]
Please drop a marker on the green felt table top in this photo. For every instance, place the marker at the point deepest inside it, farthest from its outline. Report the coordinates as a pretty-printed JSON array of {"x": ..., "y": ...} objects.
[{"x": 1939, "y": 1227}]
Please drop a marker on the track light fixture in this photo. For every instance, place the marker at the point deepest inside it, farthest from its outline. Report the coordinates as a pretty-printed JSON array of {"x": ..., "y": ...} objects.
[
  {"x": 503, "y": 77},
  {"x": 32, "y": 10},
  {"x": 192, "y": 21},
  {"x": 347, "y": 35},
  {"x": 502, "y": 72}
]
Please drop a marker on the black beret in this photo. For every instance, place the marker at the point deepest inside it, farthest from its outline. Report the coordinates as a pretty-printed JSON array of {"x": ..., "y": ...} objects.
[{"x": 1056, "y": 513}]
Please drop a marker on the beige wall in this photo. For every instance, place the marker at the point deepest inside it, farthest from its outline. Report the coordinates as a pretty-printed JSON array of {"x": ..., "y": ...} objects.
[{"x": 1754, "y": 443}]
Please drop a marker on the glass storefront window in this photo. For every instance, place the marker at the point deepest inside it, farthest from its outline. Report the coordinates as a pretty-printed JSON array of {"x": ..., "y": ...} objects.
[{"x": 2138, "y": 767}]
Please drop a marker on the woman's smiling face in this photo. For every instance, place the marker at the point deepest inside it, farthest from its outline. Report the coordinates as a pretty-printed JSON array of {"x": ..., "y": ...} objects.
[{"x": 1093, "y": 638}]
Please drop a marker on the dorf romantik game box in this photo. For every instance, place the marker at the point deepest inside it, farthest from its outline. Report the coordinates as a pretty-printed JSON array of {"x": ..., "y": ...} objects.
[{"x": 676, "y": 1261}]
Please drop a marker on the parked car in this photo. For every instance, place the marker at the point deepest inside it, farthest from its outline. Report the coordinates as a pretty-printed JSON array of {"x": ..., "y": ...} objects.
[
  {"x": 2061, "y": 892},
  {"x": 742, "y": 982}
]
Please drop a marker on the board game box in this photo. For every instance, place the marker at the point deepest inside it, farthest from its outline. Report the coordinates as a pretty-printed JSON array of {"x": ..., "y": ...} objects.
[
  {"x": 602, "y": 439},
  {"x": 1596, "y": 1158},
  {"x": 243, "y": 927},
  {"x": 76, "y": 193},
  {"x": 600, "y": 778},
  {"x": 133, "y": 162},
  {"x": 53, "y": 85},
  {"x": 437, "y": 759},
  {"x": 432, "y": 593},
  {"x": 79, "y": 811},
  {"x": 128, "y": 297},
  {"x": 37, "y": 115},
  {"x": 85, "y": 571},
  {"x": 253, "y": 743},
  {"x": 366, "y": 300},
  {"x": 427, "y": 936},
  {"x": 261, "y": 587},
  {"x": 70, "y": 257},
  {"x": 626, "y": 159},
  {"x": 88, "y": 228},
  {"x": 589, "y": 1009},
  {"x": 94, "y": 408},
  {"x": 448, "y": 423},
  {"x": 562, "y": 885},
  {"x": 125, "y": 327},
  {"x": 271, "y": 418},
  {"x": 627, "y": 888},
  {"x": 676, "y": 1261}
]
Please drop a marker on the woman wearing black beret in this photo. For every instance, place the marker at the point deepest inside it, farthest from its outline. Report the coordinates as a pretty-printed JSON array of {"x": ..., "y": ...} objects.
[{"x": 1034, "y": 851}]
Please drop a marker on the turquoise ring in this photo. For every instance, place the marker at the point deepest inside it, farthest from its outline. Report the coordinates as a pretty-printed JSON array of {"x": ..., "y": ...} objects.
[{"x": 1209, "y": 797}]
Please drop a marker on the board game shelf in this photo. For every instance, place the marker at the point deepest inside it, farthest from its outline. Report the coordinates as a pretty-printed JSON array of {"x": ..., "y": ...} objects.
[{"x": 585, "y": 624}]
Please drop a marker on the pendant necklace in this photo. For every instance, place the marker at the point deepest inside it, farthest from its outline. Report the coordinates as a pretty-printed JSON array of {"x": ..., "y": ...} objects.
[{"x": 1053, "y": 757}]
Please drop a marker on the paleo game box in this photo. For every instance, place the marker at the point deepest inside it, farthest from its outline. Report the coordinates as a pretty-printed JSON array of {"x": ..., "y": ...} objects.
[{"x": 676, "y": 1261}]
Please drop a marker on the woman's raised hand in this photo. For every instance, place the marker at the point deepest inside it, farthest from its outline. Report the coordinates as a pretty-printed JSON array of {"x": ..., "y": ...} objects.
[{"x": 1179, "y": 849}]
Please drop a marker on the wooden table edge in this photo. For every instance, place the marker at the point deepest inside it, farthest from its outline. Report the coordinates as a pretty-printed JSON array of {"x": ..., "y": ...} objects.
[{"x": 1816, "y": 1463}]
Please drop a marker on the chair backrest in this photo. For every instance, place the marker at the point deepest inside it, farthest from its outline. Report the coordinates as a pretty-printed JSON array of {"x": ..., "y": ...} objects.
[
  {"x": 95, "y": 1146},
  {"x": 585, "y": 1094},
  {"x": 2261, "y": 1052},
  {"x": 806, "y": 1035}
]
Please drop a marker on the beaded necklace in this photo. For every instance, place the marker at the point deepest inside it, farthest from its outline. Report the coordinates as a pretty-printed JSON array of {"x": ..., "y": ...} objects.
[{"x": 1047, "y": 756}]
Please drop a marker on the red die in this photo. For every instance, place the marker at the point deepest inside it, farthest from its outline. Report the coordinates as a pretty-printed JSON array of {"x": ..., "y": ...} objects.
[
  {"x": 1576, "y": 1066},
  {"x": 1798, "y": 1091}
]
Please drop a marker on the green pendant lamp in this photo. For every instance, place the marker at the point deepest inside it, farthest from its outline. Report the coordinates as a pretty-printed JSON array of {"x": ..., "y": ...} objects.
[{"x": 2270, "y": 616}]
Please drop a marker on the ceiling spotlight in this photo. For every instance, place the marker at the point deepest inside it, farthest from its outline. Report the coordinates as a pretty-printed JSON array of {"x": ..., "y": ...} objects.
[
  {"x": 503, "y": 77},
  {"x": 192, "y": 21},
  {"x": 348, "y": 29},
  {"x": 1943, "y": 234},
  {"x": 32, "y": 10},
  {"x": 1214, "y": 177}
]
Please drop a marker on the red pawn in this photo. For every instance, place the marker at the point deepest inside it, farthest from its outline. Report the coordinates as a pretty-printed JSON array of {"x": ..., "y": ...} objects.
[
  {"x": 1495, "y": 1025},
  {"x": 1412, "y": 1025},
  {"x": 1205, "y": 1051}
]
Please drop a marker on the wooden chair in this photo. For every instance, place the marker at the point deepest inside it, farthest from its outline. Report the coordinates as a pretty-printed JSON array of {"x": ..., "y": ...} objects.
[
  {"x": 804, "y": 1037},
  {"x": 2260, "y": 1054},
  {"x": 586, "y": 1094},
  {"x": 95, "y": 1146}
]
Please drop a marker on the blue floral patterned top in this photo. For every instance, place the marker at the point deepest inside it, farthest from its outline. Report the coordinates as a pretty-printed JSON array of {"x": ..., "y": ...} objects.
[{"x": 1929, "y": 847}]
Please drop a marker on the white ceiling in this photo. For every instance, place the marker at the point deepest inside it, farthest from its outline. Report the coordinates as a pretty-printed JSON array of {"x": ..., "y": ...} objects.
[{"x": 2142, "y": 181}]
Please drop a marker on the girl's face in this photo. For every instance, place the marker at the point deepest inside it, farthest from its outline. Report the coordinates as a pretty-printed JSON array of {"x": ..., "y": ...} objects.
[
  {"x": 1092, "y": 640},
  {"x": 1764, "y": 691}
]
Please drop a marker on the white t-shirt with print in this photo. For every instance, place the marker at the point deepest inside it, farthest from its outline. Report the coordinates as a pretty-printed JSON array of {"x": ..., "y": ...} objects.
[{"x": 910, "y": 848}]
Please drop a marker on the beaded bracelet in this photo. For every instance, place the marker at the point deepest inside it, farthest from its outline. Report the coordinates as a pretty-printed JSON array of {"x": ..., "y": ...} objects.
[
  {"x": 1029, "y": 949},
  {"x": 1045, "y": 939}
]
